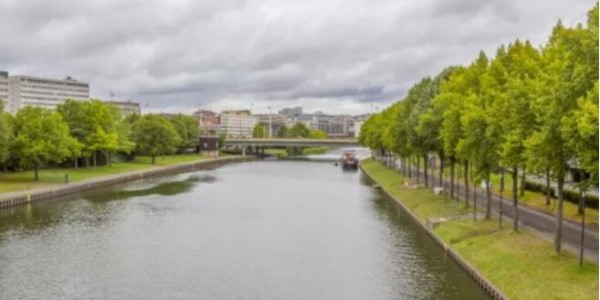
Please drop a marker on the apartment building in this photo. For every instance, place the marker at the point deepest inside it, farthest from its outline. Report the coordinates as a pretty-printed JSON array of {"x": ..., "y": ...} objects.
[
  {"x": 43, "y": 92},
  {"x": 237, "y": 124},
  {"x": 208, "y": 121}
]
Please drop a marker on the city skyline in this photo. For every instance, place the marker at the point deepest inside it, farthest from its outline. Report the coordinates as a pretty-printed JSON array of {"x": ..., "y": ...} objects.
[{"x": 179, "y": 56}]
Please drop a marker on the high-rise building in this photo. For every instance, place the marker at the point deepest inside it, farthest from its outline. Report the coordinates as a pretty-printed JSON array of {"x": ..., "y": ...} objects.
[
  {"x": 4, "y": 87},
  {"x": 43, "y": 92}
]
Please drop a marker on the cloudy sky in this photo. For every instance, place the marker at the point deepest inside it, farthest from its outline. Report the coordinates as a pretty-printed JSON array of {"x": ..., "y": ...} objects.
[{"x": 346, "y": 56}]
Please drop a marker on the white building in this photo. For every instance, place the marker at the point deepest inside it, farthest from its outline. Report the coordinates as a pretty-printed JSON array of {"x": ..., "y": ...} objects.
[
  {"x": 43, "y": 92},
  {"x": 239, "y": 125},
  {"x": 357, "y": 126},
  {"x": 4, "y": 87},
  {"x": 127, "y": 107}
]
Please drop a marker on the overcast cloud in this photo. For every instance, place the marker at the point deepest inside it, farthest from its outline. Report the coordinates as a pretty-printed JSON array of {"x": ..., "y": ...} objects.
[{"x": 347, "y": 56}]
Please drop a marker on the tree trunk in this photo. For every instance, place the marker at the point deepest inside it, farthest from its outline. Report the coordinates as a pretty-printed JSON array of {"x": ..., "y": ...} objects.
[
  {"x": 153, "y": 159},
  {"x": 441, "y": 169},
  {"x": 87, "y": 162},
  {"x": 409, "y": 164},
  {"x": 110, "y": 158},
  {"x": 76, "y": 162},
  {"x": 474, "y": 199},
  {"x": 418, "y": 168},
  {"x": 523, "y": 175},
  {"x": 488, "y": 198},
  {"x": 559, "y": 214},
  {"x": 501, "y": 196},
  {"x": 452, "y": 178},
  {"x": 515, "y": 190},
  {"x": 94, "y": 159},
  {"x": 425, "y": 166},
  {"x": 36, "y": 170},
  {"x": 547, "y": 186},
  {"x": 581, "y": 243},
  {"x": 466, "y": 174}
]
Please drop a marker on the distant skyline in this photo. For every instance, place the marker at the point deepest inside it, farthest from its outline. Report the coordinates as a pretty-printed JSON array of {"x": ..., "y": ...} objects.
[{"x": 338, "y": 57}]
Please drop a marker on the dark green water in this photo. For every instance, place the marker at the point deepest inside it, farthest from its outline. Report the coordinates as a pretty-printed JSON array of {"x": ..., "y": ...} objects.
[{"x": 260, "y": 230}]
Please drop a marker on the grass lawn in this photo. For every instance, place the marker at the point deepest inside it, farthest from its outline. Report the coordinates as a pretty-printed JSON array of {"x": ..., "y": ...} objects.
[
  {"x": 282, "y": 153},
  {"x": 24, "y": 180},
  {"x": 522, "y": 265}
]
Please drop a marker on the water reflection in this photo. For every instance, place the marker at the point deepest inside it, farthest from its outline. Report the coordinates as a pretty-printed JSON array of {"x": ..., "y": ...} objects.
[
  {"x": 264, "y": 230},
  {"x": 170, "y": 188}
]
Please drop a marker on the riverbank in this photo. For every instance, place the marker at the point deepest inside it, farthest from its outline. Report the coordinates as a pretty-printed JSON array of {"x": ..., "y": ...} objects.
[
  {"x": 521, "y": 265},
  {"x": 282, "y": 153},
  {"x": 23, "y": 181},
  {"x": 57, "y": 191}
]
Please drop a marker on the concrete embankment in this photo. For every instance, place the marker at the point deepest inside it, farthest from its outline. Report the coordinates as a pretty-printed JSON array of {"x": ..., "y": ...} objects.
[
  {"x": 485, "y": 284},
  {"x": 24, "y": 197}
]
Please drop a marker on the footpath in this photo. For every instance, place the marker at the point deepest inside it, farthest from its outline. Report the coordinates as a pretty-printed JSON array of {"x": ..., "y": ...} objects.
[{"x": 59, "y": 191}]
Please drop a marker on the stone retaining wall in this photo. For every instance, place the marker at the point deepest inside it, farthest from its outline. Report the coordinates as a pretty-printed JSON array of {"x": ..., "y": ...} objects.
[
  {"x": 485, "y": 284},
  {"x": 20, "y": 198}
]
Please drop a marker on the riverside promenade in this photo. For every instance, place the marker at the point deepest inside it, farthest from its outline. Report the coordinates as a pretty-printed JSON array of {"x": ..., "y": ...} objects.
[{"x": 57, "y": 191}]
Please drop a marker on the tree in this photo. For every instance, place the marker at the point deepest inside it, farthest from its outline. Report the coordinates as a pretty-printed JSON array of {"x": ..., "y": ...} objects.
[
  {"x": 96, "y": 126},
  {"x": 317, "y": 134},
  {"x": 42, "y": 136},
  {"x": 515, "y": 73},
  {"x": 569, "y": 72},
  {"x": 282, "y": 132},
  {"x": 260, "y": 131},
  {"x": 6, "y": 134},
  {"x": 187, "y": 129},
  {"x": 154, "y": 135},
  {"x": 299, "y": 130}
]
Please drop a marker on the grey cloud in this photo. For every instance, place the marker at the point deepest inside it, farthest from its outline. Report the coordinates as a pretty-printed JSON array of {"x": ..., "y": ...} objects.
[{"x": 183, "y": 54}]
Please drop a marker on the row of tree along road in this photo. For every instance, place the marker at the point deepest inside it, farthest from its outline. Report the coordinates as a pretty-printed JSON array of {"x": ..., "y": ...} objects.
[
  {"x": 84, "y": 132},
  {"x": 527, "y": 109}
]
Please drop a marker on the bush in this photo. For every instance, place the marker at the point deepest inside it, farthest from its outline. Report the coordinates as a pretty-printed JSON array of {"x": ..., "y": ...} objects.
[{"x": 569, "y": 195}]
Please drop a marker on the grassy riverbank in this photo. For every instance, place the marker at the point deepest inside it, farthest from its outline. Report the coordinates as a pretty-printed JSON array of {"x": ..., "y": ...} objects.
[
  {"x": 19, "y": 181},
  {"x": 522, "y": 265},
  {"x": 282, "y": 153}
]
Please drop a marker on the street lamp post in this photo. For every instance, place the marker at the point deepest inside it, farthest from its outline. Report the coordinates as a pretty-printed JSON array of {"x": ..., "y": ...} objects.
[{"x": 270, "y": 124}]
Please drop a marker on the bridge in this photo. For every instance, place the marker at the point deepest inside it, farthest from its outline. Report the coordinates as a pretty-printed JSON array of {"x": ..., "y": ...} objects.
[{"x": 257, "y": 142}]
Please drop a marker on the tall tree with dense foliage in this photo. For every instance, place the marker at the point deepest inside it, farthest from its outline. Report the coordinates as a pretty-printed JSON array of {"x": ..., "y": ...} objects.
[
  {"x": 569, "y": 72},
  {"x": 154, "y": 136},
  {"x": 6, "y": 134},
  {"x": 299, "y": 130},
  {"x": 259, "y": 131},
  {"x": 187, "y": 129},
  {"x": 42, "y": 136}
]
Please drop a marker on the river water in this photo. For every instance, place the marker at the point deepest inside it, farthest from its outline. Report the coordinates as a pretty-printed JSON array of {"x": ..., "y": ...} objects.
[{"x": 257, "y": 230}]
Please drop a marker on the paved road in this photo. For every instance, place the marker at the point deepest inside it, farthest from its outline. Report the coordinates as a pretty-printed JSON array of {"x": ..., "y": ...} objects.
[{"x": 540, "y": 223}]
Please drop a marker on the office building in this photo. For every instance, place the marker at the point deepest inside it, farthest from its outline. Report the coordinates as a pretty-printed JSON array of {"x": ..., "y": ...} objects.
[
  {"x": 43, "y": 92},
  {"x": 237, "y": 125}
]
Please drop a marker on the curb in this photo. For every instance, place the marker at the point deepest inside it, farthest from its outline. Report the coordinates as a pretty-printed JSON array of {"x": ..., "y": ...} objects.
[
  {"x": 485, "y": 284},
  {"x": 97, "y": 183}
]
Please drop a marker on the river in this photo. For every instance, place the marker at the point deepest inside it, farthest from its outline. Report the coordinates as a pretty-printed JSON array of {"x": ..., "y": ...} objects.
[{"x": 257, "y": 230}]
